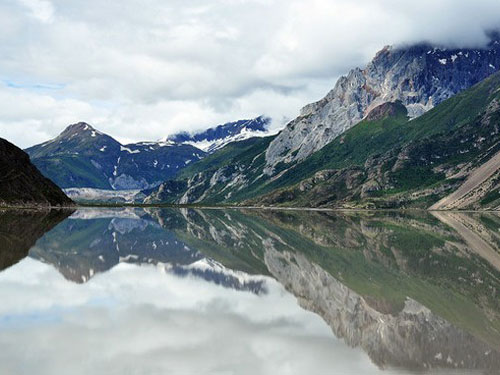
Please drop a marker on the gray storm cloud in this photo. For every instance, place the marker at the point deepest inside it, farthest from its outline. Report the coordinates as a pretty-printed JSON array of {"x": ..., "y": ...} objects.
[{"x": 144, "y": 69}]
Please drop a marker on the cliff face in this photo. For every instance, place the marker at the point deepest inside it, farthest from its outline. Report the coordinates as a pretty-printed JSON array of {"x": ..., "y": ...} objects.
[
  {"x": 22, "y": 184},
  {"x": 420, "y": 77}
]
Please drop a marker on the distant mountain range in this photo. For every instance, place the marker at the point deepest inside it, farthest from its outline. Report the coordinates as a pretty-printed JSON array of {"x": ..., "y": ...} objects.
[
  {"x": 418, "y": 127},
  {"x": 83, "y": 157}
]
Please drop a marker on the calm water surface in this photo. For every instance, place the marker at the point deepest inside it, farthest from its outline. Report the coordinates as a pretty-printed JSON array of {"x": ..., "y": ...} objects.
[{"x": 185, "y": 291}]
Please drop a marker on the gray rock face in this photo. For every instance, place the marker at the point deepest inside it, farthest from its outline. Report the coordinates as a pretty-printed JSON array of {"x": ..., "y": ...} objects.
[{"x": 420, "y": 77}]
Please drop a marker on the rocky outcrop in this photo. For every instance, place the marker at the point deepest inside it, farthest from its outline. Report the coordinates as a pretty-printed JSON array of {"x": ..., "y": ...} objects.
[
  {"x": 385, "y": 110},
  {"x": 420, "y": 77},
  {"x": 21, "y": 184}
]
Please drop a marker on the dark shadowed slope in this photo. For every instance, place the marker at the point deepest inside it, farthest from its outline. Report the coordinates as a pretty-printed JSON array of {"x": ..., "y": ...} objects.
[{"x": 22, "y": 184}]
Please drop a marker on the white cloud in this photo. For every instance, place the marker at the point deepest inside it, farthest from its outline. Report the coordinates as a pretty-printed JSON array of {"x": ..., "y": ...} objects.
[
  {"x": 140, "y": 320},
  {"x": 144, "y": 69},
  {"x": 40, "y": 9}
]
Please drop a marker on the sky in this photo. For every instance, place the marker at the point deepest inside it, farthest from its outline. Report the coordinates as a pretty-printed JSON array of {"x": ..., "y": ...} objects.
[{"x": 144, "y": 69}]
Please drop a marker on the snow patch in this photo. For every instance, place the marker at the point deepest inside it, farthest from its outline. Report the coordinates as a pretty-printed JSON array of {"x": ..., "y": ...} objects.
[
  {"x": 165, "y": 143},
  {"x": 214, "y": 145},
  {"x": 122, "y": 148}
]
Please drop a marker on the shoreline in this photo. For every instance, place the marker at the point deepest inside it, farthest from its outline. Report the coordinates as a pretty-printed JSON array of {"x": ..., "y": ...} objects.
[{"x": 232, "y": 207}]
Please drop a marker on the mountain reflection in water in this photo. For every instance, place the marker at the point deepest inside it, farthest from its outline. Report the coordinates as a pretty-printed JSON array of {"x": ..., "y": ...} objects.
[{"x": 413, "y": 291}]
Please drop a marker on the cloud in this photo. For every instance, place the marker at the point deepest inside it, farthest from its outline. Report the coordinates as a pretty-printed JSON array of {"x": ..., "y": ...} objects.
[
  {"x": 138, "y": 69},
  {"x": 140, "y": 320},
  {"x": 42, "y": 10}
]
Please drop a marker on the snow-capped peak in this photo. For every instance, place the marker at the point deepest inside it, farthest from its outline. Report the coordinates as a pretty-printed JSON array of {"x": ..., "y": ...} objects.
[{"x": 217, "y": 137}]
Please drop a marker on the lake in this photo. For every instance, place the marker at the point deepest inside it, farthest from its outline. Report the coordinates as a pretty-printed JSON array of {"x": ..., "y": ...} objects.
[{"x": 248, "y": 291}]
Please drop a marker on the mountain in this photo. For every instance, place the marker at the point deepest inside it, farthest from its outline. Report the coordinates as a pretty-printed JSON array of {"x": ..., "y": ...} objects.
[
  {"x": 215, "y": 138},
  {"x": 420, "y": 76},
  {"x": 447, "y": 158},
  {"x": 390, "y": 158},
  {"x": 83, "y": 157},
  {"x": 227, "y": 175},
  {"x": 22, "y": 184}
]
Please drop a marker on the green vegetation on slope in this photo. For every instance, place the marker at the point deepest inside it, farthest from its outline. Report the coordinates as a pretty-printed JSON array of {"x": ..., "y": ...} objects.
[
  {"x": 71, "y": 170},
  {"x": 372, "y": 138},
  {"x": 235, "y": 152}
]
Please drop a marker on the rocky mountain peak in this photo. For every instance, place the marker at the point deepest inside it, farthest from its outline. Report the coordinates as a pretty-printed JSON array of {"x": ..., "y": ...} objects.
[
  {"x": 81, "y": 129},
  {"x": 420, "y": 76}
]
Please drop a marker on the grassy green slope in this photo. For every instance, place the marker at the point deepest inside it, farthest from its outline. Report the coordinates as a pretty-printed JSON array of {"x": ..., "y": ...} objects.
[
  {"x": 71, "y": 170},
  {"x": 247, "y": 156},
  {"x": 242, "y": 151}
]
